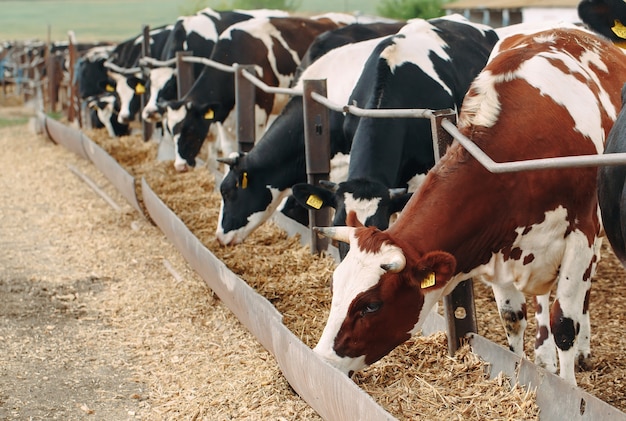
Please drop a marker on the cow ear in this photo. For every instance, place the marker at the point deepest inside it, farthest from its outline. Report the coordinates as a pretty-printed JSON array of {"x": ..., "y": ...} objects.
[
  {"x": 107, "y": 85},
  {"x": 137, "y": 84},
  {"x": 434, "y": 270},
  {"x": 208, "y": 111},
  {"x": 313, "y": 197}
]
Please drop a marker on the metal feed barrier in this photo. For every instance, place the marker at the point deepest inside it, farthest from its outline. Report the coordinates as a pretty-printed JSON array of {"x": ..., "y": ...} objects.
[{"x": 329, "y": 392}]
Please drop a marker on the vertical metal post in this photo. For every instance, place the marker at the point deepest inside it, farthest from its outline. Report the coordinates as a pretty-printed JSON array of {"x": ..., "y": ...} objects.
[
  {"x": 459, "y": 306},
  {"x": 147, "y": 128},
  {"x": 245, "y": 96},
  {"x": 317, "y": 148},
  {"x": 73, "y": 112},
  {"x": 184, "y": 74},
  {"x": 53, "y": 81}
]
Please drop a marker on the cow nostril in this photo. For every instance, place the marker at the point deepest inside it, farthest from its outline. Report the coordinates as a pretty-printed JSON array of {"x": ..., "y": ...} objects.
[{"x": 350, "y": 373}]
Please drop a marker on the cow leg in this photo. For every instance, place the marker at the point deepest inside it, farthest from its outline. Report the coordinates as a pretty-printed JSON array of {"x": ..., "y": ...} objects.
[
  {"x": 545, "y": 349},
  {"x": 567, "y": 319},
  {"x": 583, "y": 359},
  {"x": 512, "y": 308}
]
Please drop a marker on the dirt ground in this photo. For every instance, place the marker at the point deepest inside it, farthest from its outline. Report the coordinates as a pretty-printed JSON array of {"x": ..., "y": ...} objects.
[{"x": 91, "y": 320}]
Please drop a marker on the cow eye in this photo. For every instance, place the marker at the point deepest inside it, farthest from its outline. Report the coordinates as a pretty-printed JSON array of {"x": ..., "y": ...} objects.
[{"x": 372, "y": 307}]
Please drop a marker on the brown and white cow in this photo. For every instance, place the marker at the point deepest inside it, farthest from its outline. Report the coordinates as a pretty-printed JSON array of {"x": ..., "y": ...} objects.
[{"x": 551, "y": 93}]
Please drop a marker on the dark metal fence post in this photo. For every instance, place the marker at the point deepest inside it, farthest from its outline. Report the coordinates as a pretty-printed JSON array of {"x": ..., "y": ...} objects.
[
  {"x": 317, "y": 147},
  {"x": 459, "y": 306},
  {"x": 73, "y": 111},
  {"x": 184, "y": 74},
  {"x": 147, "y": 128},
  {"x": 245, "y": 93}
]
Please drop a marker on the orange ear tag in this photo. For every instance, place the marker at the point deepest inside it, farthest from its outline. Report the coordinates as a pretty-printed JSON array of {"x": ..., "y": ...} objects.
[
  {"x": 140, "y": 89},
  {"x": 244, "y": 180},
  {"x": 314, "y": 202},
  {"x": 209, "y": 114},
  {"x": 109, "y": 88},
  {"x": 428, "y": 281}
]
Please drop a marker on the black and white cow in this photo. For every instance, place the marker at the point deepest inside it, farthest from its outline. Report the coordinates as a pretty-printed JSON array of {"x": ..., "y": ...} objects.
[
  {"x": 197, "y": 34},
  {"x": 277, "y": 160},
  {"x": 275, "y": 46},
  {"x": 428, "y": 64},
  {"x": 105, "y": 108},
  {"x": 129, "y": 87},
  {"x": 606, "y": 17}
]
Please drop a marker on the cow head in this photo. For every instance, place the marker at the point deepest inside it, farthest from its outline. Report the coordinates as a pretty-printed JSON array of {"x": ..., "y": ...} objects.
[
  {"x": 106, "y": 108},
  {"x": 247, "y": 201},
  {"x": 128, "y": 89},
  {"x": 163, "y": 87},
  {"x": 372, "y": 202},
  {"x": 381, "y": 295},
  {"x": 606, "y": 17},
  {"x": 188, "y": 124}
]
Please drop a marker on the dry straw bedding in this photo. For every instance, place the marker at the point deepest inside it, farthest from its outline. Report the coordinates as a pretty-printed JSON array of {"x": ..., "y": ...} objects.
[{"x": 418, "y": 379}]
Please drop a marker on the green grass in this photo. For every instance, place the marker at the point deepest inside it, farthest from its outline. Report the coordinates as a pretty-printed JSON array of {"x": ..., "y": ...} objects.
[
  {"x": 8, "y": 122},
  {"x": 116, "y": 20}
]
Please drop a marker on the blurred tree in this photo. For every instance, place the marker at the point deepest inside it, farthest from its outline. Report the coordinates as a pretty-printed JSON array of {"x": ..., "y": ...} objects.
[{"x": 407, "y": 9}]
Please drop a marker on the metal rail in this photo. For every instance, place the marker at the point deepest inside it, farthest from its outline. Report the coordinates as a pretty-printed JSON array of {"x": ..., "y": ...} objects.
[
  {"x": 269, "y": 89},
  {"x": 208, "y": 62},
  {"x": 122, "y": 70},
  {"x": 149, "y": 61},
  {"x": 532, "y": 164}
]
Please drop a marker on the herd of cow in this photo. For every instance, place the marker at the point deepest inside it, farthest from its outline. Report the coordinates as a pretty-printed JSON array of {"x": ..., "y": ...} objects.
[{"x": 520, "y": 92}]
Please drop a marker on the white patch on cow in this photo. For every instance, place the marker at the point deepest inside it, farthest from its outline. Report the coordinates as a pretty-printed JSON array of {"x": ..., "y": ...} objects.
[
  {"x": 417, "y": 46},
  {"x": 546, "y": 241},
  {"x": 263, "y": 30},
  {"x": 254, "y": 220},
  {"x": 339, "y": 167},
  {"x": 158, "y": 78},
  {"x": 202, "y": 25},
  {"x": 571, "y": 91},
  {"x": 357, "y": 273},
  {"x": 125, "y": 94},
  {"x": 350, "y": 59},
  {"x": 362, "y": 207},
  {"x": 482, "y": 105},
  {"x": 172, "y": 118},
  {"x": 415, "y": 182},
  {"x": 106, "y": 113}
]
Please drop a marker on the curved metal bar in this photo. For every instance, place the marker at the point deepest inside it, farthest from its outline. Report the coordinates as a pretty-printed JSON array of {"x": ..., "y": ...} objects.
[
  {"x": 208, "y": 62},
  {"x": 269, "y": 89},
  {"x": 532, "y": 164},
  {"x": 378, "y": 113},
  {"x": 157, "y": 63},
  {"x": 122, "y": 70}
]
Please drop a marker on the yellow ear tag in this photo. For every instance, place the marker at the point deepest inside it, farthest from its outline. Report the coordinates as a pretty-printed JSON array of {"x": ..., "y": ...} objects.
[
  {"x": 314, "y": 202},
  {"x": 109, "y": 88},
  {"x": 209, "y": 114},
  {"x": 428, "y": 281},
  {"x": 619, "y": 29},
  {"x": 244, "y": 180},
  {"x": 140, "y": 89}
]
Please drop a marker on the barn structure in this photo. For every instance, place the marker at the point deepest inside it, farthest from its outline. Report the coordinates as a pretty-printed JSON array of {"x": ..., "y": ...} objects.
[{"x": 497, "y": 13}]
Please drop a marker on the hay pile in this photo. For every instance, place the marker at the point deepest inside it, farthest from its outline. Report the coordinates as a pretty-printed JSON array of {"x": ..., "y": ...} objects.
[{"x": 418, "y": 377}]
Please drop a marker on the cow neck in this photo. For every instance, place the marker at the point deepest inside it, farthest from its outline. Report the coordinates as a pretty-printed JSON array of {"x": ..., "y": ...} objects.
[
  {"x": 282, "y": 145},
  {"x": 445, "y": 215}
]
